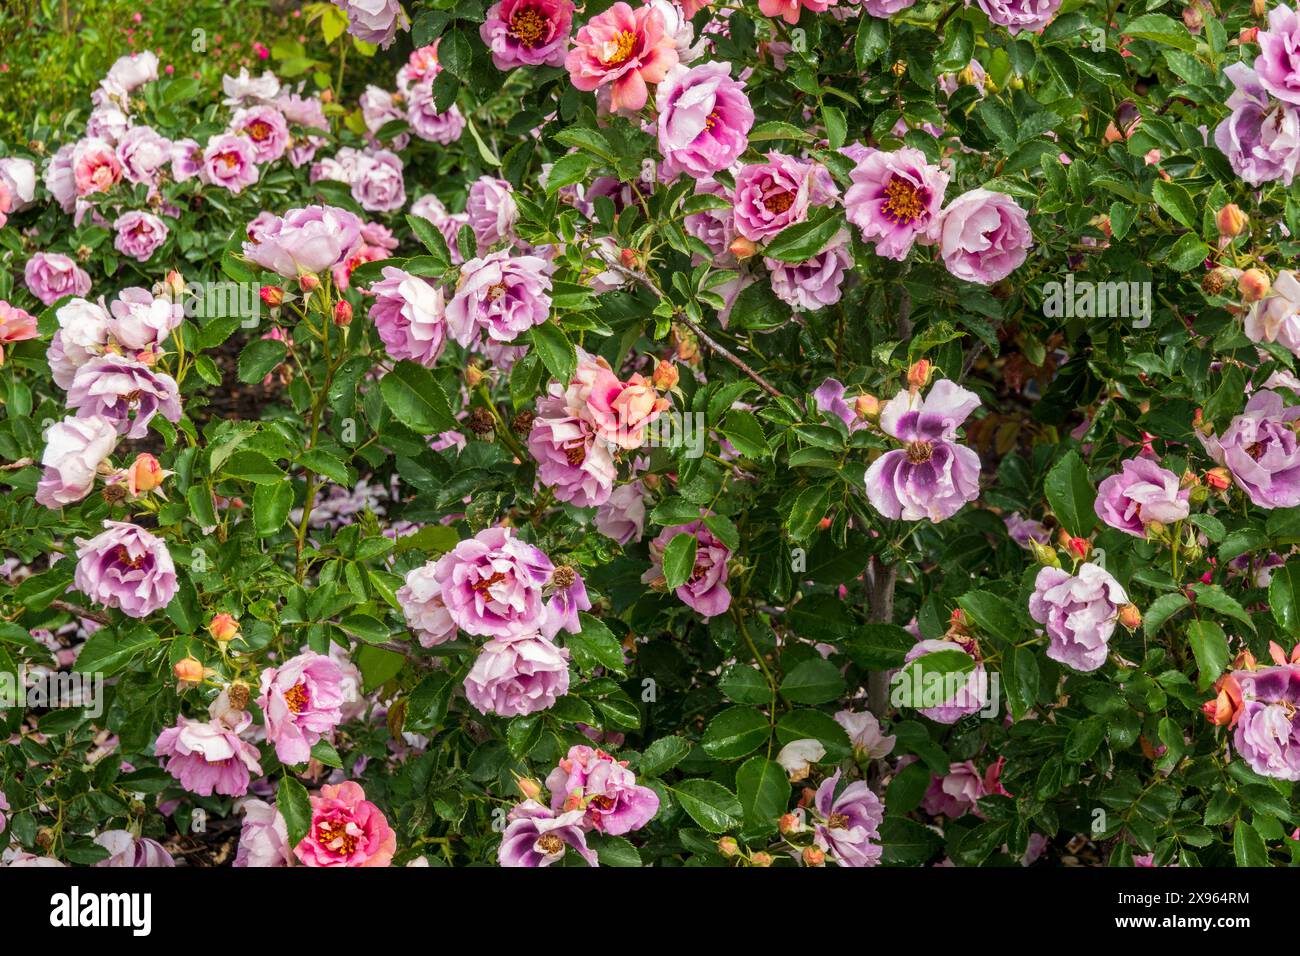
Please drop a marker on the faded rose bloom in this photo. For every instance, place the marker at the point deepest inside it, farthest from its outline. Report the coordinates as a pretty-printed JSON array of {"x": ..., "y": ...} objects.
[
  {"x": 983, "y": 236},
  {"x": 245, "y": 88},
  {"x": 499, "y": 297},
  {"x": 933, "y": 477},
  {"x": 1261, "y": 136},
  {"x": 492, "y": 584},
  {"x": 568, "y": 597},
  {"x": 138, "y": 320},
  {"x": 537, "y": 836},
  {"x": 304, "y": 241},
  {"x": 491, "y": 209},
  {"x": 1017, "y": 15},
  {"x": 1278, "y": 63},
  {"x": 125, "y": 567},
  {"x": 845, "y": 825},
  {"x": 1023, "y": 530},
  {"x": 301, "y": 701},
  {"x": 894, "y": 199},
  {"x": 346, "y": 830},
  {"x": 592, "y": 781},
  {"x": 527, "y": 32},
  {"x": 868, "y": 740},
  {"x": 51, "y": 275},
  {"x": 126, "y": 392},
  {"x": 421, "y": 601},
  {"x": 74, "y": 449},
  {"x": 133, "y": 70},
  {"x": 143, "y": 154},
  {"x": 377, "y": 184},
  {"x": 622, "y": 516},
  {"x": 95, "y": 167},
  {"x": 1079, "y": 612},
  {"x": 82, "y": 335},
  {"x": 374, "y": 21},
  {"x": 814, "y": 283},
  {"x": 624, "y": 48},
  {"x": 517, "y": 675},
  {"x": 1141, "y": 493},
  {"x": 139, "y": 234},
  {"x": 571, "y": 460},
  {"x": 1267, "y": 733},
  {"x": 1260, "y": 449},
  {"x": 127, "y": 850},
  {"x": 263, "y": 836},
  {"x": 790, "y": 10},
  {"x": 266, "y": 128},
  {"x": 619, "y": 411},
  {"x": 970, "y": 698},
  {"x": 208, "y": 756},
  {"x": 409, "y": 315},
  {"x": 229, "y": 161},
  {"x": 704, "y": 119},
  {"x": 798, "y": 756},
  {"x": 1276, "y": 317},
  {"x": 705, "y": 589},
  {"x": 779, "y": 193},
  {"x": 425, "y": 120}
]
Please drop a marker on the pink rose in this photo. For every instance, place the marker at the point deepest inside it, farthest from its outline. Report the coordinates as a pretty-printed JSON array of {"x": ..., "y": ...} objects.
[
  {"x": 346, "y": 830},
  {"x": 625, "y": 49}
]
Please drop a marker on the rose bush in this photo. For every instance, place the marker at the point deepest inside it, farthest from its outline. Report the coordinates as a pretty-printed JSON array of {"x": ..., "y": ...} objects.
[{"x": 817, "y": 433}]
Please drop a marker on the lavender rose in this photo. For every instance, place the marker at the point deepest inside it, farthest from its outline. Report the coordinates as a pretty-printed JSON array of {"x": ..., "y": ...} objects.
[
  {"x": 125, "y": 567},
  {"x": 591, "y": 780},
  {"x": 126, "y": 392},
  {"x": 491, "y": 209},
  {"x": 302, "y": 701},
  {"x": 500, "y": 296},
  {"x": 492, "y": 584},
  {"x": 517, "y": 675},
  {"x": 537, "y": 836},
  {"x": 74, "y": 449},
  {"x": 704, "y": 119},
  {"x": 374, "y": 21},
  {"x": 1278, "y": 63},
  {"x": 1017, "y": 15},
  {"x": 1267, "y": 733},
  {"x": 571, "y": 460},
  {"x": 845, "y": 826},
  {"x": 894, "y": 198},
  {"x": 51, "y": 275},
  {"x": 528, "y": 32},
  {"x": 1079, "y": 612},
  {"x": 983, "y": 236},
  {"x": 1261, "y": 136},
  {"x": 1276, "y": 317},
  {"x": 304, "y": 240},
  {"x": 773, "y": 195},
  {"x": 409, "y": 315},
  {"x": 814, "y": 283},
  {"x": 1141, "y": 493},
  {"x": 970, "y": 698},
  {"x": 229, "y": 161},
  {"x": 139, "y": 234},
  {"x": 705, "y": 589},
  {"x": 421, "y": 601},
  {"x": 1260, "y": 449}
]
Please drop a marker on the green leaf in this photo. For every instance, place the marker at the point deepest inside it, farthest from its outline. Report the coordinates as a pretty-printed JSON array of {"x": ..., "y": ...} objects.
[
  {"x": 1216, "y": 599},
  {"x": 709, "y": 804},
  {"x": 431, "y": 238},
  {"x": 679, "y": 559},
  {"x": 271, "y": 505},
  {"x": 1284, "y": 597},
  {"x": 662, "y": 755},
  {"x": 556, "y": 351},
  {"x": 258, "y": 358},
  {"x": 107, "y": 652},
  {"x": 745, "y": 685},
  {"x": 1162, "y": 30},
  {"x": 1177, "y": 202},
  {"x": 993, "y": 615},
  {"x": 803, "y": 724},
  {"x": 929, "y": 680},
  {"x": 1210, "y": 645},
  {"x": 595, "y": 646},
  {"x": 1071, "y": 494},
  {"x": 1162, "y": 609},
  {"x": 815, "y": 681},
  {"x": 614, "y": 850},
  {"x": 764, "y": 792},
  {"x": 802, "y": 241},
  {"x": 365, "y": 628},
  {"x": 295, "y": 806},
  {"x": 871, "y": 42},
  {"x": 416, "y": 399},
  {"x": 324, "y": 751},
  {"x": 735, "y": 732},
  {"x": 1248, "y": 847}
]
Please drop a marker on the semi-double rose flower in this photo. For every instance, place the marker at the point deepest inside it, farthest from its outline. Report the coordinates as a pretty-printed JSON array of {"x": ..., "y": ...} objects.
[
  {"x": 127, "y": 392},
  {"x": 591, "y": 780},
  {"x": 528, "y": 32},
  {"x": 266, "y": 128},
  {"x": 306, "y": 240},
  {"x": 1141, "y": 493},
  {"x": 492, "y": 584},
  {"x": 619, "y": 411},
  {"x": 1260, "y": 450},
  {"x": 845, "y": 825},
  {"x": 139, "y": 320},
  {"x": 571, "y": 459},
  {"x": 346, "y": 830},
  {"x": 229, "y": 161},
  {"x": 814, "y": 283},
  {"x": 1278, "y": 62},
  {"x": 377, "y": 183},
  {"x": 1079, "y": 612},
  {"x": 301, "y": 701},
  {"x": 95, "y": 166},
  {"x": 514, "y": 676},
  {"x": 894, "y": 199},
  {"x": 209, "y": 756},
  {"x": 491, "y": 209},
  {"x": 125, "y": 567},
  {"x": 499, "y": 297},
  {"x": 51, "y": 275},
  {"x": 779, "y": 193},
  {"x": 1261, "y": 136},
  {"x": 983, "y": 236},
  {"x": 127, "y": 850},
  {"x": 263, "y": 836},
  {"x": 1017, "y": 15},
  {"x": 420, "y": 599},
  {"x": 139, "y": 234},
  {"x": 538, "y": 836},
  {"x": 143, "y": 154},
  {"x": 1276, "y": 317},
  {"x": 704, "y": 119},
  {"x": 705, "y": 588},
  {"x": 74, "y": 449},
  {"x": 624, "y": 48},
  {"x": 1267, "y": 730},
  {"x": 953, "y": 700}
]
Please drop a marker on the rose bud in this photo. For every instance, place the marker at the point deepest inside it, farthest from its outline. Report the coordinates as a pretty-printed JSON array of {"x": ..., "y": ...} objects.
[
  {"x": 1259, "y": 7},
  {"x": 473, "y": 375},
  {"x": 918, "y": 375},
  {"x": 1247, "y": 35},
  {"x": 308, "y": 282},
  {"x": 760, "y": 859},
  {"x": 1130, "y": 616},
  {"x": 223, "y": 627},
  {"x": 665, "y": 377},
  {"x": 1231, "y": 220},
  {"x": 867, "y": 406},
  {"x": 1253, "y": 285},
  {"x": 628, "y": 258},
  {"x": 1079, "y": 548},
  {"x": 343, "y": 313},
  {"x": 728, "y": 846},
  {"x": 188, "y": 671},
  {"x": 1043, "y": 554},
  {"x": 1225, "y": 708},
  {"x": 1218, "y": 479},
  {"x": 742, "y": 248},
  {"x": 144, "y": 475},
  {"x": 813, "y": 856},
  {"x": 529, "y": 787},
  {"x": 174, "y": 285},
  {"x": 790, "y": 823},
  {"x": 272, "y": 295}
]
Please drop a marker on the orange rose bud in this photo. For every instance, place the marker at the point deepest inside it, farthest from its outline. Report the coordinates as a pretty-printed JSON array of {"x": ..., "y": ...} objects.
[
  {"x": 628, "y": 257},
  {"x": 813, "y": 856},
  {"x": 145, "y": 474},
  {"x": 1079, "y": 548},
  {"x": 867, "y": 406},
  {"x": 223, "y": 627},
  {"x": 174, "y": 285},
  {"x": 789, "y": 824},
  {"x": 529, "y": 787},
  {"x": 308, "y": 282},
  {"x": 1130, "y": 616},
  {"x": 1218, "y": 479},
  {"x": 1225, "y": 708},
  {"x": 665, "y": 377},
  {"x": 1253, "y": 285},
  {"x": 918, "y": 376},
  {"x": 1231, "y": 220},
  {"x": 761, "y": 859},
  {"x": 728, "y": 846},
  {"x": 188, "y": 671},
  {"x": 742, "y": 248},
  {"x": 1247, "y": 35},
  {"x": 343, "y": 313},
  {"x": 272, "y": 295}
]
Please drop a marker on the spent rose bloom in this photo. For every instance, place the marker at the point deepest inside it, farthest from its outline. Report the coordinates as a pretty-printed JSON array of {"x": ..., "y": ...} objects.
[
  {"x": 346, "y": 830},
  {"x": 125, "y": 567},
  {"x": 229, "y": 161},
  {"x": 624, "y": 48},
  {"x": 705, "y": 588},
  {"x": 127, "y": 392},
  {"x": 1141, "y": 493},
  {"x": 263, "y": 836},
  {"x": 421, "y": 601},
  {"x": 1276, "y": 317},
  {"x": 959, "y": 791},
  {"x": 983, "y": 236},
  {"x": 894, "y": 199},
  {"x": 798, "y": 757},
  {"x": 1267, "y": 732},
  {"x": 1017, "y": 15},
  {"x": 1023, "y": 530},
  {"x": 266, "y": 128},
  {"x": 538, "y": 836},
  {"x": 969, "y": 698},
  {"x": 74, "y": 449},
  {"x": 513, "y": 676},
  {"x": 933, "y": 476},
  {"x": 622, "y": 516},
  {"x": 1079, "y": 612},
  {"x": 127, "y": 850},
  {"x": 591, "y": 780},
  {"x": 499, "y": 297},
  {"x": 770, "y": 196},
  {"x": 1278, "y": 62},
  {"x": 865, "y": 735},
  {"x": 845, "y": 825},
  {"x": 409, "y": 315},
  {"x": 704, "y": 119},
  {"x": 301, "y": 701},
  {"x": 1260, "y": 450},
  {"x": 571, "y": 460},
  {"x": 492, "y": 584},
  {"x": 139, "y": 234},
  {"x": 209, "y": 756},
  {"x": 133, "y": 70},
  {"x": 528, "y": 32},
  {"x": 51, "y": 275},
  {"x": 1261, "y": 136},
  {"x": 311, "y": 239},
  {"x": 491, "y": 209}
]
